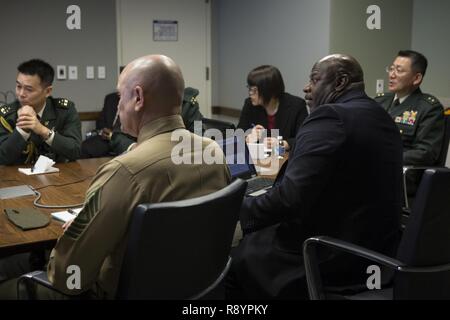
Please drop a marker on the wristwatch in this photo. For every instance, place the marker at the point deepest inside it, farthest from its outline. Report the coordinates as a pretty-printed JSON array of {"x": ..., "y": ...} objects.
[{"x": 50, "y": 133}]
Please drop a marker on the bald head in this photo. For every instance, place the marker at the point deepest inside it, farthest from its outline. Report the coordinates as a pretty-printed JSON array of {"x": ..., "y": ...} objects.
[
  {"x": 150, "y": 87},
  {"x": 343, "y": 65},
  {"x": 331, "y": 77}
]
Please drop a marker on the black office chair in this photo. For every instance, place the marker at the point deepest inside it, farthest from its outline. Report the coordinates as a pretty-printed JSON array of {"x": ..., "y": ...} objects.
[
  {"x": 178, "y": 250},
  {"x": 422, "y": 266},
  {"x": 439, "y": 164},
  {"x": 219, "y": 125}
]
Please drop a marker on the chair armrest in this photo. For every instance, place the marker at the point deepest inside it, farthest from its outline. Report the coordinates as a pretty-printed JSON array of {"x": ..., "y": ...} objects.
[
  {"x": 312, "y": 268},
  {"x": 215, "y": 283},
  {"x": 313, "y": 279},
  {"x": 423, "y": 168},
  {"x": 39, "y": 277}
]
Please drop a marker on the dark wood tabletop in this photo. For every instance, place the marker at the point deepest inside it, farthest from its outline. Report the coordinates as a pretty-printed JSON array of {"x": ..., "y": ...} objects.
[{"x": 65, "y": 188}]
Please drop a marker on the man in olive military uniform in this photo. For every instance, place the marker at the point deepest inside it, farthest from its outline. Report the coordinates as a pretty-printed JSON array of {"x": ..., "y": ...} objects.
[
  {"x": 38, "y": 124},
  {"x": 419, "y": 116}
]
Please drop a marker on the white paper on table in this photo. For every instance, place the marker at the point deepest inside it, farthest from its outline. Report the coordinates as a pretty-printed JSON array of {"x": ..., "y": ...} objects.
[
  {"x": 28, "y": 172},
  {"x": 43, "y": 165},
  {"x": 65, "y": 216}
]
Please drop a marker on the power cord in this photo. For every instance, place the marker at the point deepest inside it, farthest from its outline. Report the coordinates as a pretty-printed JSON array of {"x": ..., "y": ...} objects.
[
  {"x": 64, "y": 184},
  {"x": 35, "y": 202}
]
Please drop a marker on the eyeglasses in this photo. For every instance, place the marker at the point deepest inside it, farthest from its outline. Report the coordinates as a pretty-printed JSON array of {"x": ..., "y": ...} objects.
[
  {"x": 395, "y": 69},
  {"x": 252, "y": 90}
]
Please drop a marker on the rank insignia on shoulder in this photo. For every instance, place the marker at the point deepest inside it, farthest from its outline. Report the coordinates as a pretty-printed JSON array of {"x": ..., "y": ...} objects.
[
  {"x": 4, "y": 110},
  {"x": 430, "y": 99},
  {"x": 63, "y": 103},
  {"x": 380, "y": 95}
]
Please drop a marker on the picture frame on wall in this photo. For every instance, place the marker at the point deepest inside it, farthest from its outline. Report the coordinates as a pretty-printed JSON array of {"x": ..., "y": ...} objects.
[{"x": 165, "y": 30}]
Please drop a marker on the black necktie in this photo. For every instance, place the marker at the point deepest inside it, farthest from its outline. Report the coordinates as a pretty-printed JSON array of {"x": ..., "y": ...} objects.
[{"x": 396, "y": 102}]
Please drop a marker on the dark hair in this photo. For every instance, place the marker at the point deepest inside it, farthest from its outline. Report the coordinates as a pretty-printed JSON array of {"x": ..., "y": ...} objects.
[
  {"x": 268, "y": 80},
  {"x": 418, "y": 61},
  {"x": 38, "y": 67}
]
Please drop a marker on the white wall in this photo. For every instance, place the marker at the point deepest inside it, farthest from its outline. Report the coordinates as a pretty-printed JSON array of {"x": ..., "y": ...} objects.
[
  {"x": 430, "y": 36},
  {"x": 290, "y": 34},
  {"x": 374, "y": 49},
  {"x": 37, "y": 29},
  {"x": 190, "y": 51}
]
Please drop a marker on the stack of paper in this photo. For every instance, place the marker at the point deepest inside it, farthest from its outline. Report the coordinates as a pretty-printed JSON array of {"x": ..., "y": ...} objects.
[
  {"x": 43, "y": 165},
  {"x": 67, "y": 215}
]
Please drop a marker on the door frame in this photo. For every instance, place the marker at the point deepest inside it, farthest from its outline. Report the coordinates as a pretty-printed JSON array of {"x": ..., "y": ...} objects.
[{"x": 208, "y": 40}]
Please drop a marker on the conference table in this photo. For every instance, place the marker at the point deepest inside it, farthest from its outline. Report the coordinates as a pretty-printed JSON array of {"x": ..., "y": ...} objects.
[{"x": 65, "y": 188}]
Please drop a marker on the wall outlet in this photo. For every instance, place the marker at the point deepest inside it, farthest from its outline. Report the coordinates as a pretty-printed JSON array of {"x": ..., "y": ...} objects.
[
  {"x": 380, "y": 86},
  {"x": 61, "y": 73},
  {"x": 90, "y": 74},
  {"x": 73, "y": 73},
  {"x": 101, "y": 72}
]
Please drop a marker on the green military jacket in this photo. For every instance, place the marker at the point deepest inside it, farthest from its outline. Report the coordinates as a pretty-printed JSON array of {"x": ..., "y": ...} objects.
[
  {"x": 59, "y": 115},
  {"x": 420, "y": 119},
  {"x": 190, "y": 113}
]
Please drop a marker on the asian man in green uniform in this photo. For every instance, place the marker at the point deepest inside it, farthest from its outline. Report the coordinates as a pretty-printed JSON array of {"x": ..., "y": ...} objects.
[
  {"x": 36, "y": 123},
  {"x": 419, "y": 116}
]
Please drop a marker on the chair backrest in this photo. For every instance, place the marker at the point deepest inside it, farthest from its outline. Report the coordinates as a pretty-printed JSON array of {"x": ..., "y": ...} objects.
[
  {"x": 222, "y": 126},
  {"x": 190, "y": 109},
  {"x": 177, "y": 249},
  {"x": 426, "y": 240},
  {"x": 445, "y": 143}
]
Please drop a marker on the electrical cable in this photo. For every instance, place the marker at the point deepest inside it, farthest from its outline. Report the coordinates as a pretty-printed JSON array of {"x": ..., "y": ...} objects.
[
  {"x": 38, "y": 194},
  {"x": 64, "y": 184},
  {"x": 35, "y": 202}
]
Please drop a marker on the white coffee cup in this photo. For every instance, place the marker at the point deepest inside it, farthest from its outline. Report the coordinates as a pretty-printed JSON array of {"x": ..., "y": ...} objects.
[{"x": 256, "y": 150}]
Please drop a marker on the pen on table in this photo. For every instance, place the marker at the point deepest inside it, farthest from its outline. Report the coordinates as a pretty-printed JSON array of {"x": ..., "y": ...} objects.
[
  {"x": 32, "y": 168},
  {"x": 71, "y": 211}
]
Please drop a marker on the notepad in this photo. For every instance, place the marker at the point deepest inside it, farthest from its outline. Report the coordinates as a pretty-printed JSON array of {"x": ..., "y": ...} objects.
[
  {"x": 28, "y": 172},
  {"x": 16, "y": 192},
  {"x": 65, "y": 216}
]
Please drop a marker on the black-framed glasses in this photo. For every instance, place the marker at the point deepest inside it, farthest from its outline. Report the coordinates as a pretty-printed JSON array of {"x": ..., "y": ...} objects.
[{"x": 252, "y": 90}]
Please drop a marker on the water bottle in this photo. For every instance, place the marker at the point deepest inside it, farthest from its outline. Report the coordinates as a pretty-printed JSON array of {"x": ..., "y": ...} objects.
[{"x": 280, "y": 151}]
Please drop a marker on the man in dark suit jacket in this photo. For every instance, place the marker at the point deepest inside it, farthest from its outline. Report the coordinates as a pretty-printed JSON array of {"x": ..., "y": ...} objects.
[{"x": 343, "y": 179}]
